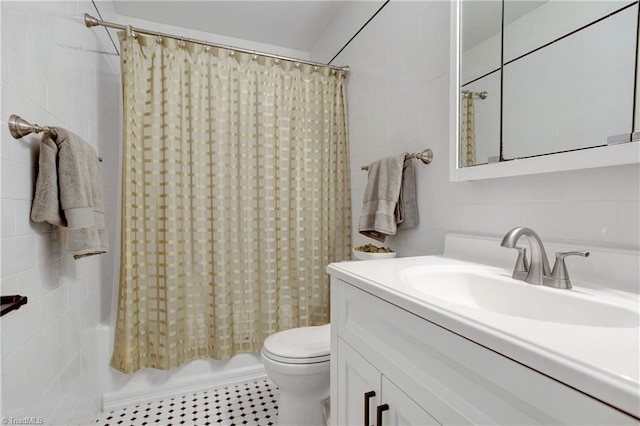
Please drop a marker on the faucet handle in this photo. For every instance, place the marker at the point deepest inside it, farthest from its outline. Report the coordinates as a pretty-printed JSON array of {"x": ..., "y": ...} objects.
[
  {"x": 559, "y": 277},
  {"x": 521, "y": 269}
]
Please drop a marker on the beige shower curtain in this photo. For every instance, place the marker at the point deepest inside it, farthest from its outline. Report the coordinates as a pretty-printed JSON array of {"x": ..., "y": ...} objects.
[
  {"x": 468, "y": 131},
  {"x": 235, "y": 197}
]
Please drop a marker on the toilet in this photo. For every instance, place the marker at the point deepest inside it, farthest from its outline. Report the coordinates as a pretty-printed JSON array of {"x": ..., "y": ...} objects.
[{"x": 297, "y": 361}]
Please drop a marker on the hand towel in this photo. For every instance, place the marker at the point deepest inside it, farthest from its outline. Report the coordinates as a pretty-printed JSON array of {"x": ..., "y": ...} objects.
[
  {"x": 46, "y": 205},
  {"x": 407, "y": 207},
  {"x": 69, "y": 192},
  {"x": 378, "y": 218}
]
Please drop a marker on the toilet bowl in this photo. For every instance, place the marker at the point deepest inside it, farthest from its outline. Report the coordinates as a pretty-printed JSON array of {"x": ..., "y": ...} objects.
[{"x": 297, "y": 361}]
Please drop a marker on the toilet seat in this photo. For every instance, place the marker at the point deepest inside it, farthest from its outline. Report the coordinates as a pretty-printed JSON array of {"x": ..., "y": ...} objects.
[{"x": 303, "y": 345}]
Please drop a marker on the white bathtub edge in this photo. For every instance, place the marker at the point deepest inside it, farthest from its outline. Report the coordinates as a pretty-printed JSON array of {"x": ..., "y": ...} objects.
[
  {"x": 115, "y": 400},
  {"x": 148, "y": 386}
]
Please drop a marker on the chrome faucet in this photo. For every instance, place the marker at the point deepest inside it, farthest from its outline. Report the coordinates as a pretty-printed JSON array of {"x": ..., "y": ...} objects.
[
  {"x": 537, "y": 271},
  {"x": 539, "y": 265}
]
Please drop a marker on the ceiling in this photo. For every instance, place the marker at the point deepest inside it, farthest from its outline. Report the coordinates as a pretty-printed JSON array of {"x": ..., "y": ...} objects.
[{"x": 291, "y": 24}]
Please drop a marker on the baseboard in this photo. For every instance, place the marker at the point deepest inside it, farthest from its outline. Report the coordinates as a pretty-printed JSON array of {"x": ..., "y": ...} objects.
[{"x": 115, "y": 400}]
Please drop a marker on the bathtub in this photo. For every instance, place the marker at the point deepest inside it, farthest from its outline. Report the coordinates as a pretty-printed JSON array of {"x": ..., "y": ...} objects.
[{"x": 119, "y": 389}]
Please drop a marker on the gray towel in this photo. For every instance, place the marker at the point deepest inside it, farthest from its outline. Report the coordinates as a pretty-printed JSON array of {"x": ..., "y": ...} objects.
[
  {"x": 377, "y": 219},
  {"x": 407, "y": 207},
  {"x": 69, "y": 193}
]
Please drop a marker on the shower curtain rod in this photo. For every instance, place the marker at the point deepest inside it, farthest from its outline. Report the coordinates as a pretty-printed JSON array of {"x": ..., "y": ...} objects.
[{"x": 90, "y": 21}]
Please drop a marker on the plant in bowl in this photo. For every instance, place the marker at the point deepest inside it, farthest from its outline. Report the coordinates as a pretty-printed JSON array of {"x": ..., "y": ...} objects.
[{"x": 370, "y": 251}]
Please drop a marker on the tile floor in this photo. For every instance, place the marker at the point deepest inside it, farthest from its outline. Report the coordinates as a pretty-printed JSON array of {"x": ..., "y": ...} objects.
[{"x": 254, "y": 403}]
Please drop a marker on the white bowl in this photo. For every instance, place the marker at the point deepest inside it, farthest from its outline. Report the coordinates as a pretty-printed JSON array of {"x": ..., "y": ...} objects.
[{"x": 363, "y": 255}]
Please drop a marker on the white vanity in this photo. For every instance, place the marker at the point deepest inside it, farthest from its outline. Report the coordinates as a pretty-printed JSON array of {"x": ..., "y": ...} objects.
[{"x": 445, "y": 340}]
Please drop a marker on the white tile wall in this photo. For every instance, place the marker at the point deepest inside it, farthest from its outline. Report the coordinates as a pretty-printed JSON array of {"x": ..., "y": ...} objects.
[
  {"x": 55, "y": 71},
  {"x": 405, "y": 50}
]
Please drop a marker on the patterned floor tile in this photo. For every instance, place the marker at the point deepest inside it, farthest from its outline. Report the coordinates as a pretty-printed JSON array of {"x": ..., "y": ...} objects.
[{"x": 254, "y": 404}]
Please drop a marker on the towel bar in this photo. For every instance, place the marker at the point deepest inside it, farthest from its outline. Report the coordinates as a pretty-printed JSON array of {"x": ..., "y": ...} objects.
[
  {"x": 19, "y": 127},
  {"x": 11, "y": 303},
  {"x": 425, "y": 156}
]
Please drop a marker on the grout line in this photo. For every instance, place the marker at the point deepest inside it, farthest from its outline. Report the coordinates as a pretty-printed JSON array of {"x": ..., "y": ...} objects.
[{"x": 358, "y": 32}]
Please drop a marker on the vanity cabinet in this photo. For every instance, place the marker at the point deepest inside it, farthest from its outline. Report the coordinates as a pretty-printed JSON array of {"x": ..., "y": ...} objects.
[
  {"x": 368, "y": 395},
  {"x": 427, "y": 374}
]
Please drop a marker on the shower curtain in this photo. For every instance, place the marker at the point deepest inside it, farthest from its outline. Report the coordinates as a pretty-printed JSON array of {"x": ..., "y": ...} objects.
[
  {"x": 468, "y": 131},
  {"x": 235, "y": 197}
]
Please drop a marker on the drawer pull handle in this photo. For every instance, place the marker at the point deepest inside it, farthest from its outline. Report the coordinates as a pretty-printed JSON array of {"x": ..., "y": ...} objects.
[
  {"x": 367, "y": 397},
  {"x": 381, "y": 409}
]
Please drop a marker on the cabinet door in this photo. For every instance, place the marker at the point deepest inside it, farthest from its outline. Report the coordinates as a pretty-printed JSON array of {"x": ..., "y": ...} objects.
[
  {"x": 403, "y": 411},
  {"x": 356, "y": 378}
]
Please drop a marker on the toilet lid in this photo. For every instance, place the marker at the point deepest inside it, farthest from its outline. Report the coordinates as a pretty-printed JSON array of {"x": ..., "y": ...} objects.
[{"x": 303, "y": 345}]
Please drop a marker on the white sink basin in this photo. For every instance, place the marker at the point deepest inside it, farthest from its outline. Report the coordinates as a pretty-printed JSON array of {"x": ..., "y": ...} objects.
[{"x": 492, "y": 290}]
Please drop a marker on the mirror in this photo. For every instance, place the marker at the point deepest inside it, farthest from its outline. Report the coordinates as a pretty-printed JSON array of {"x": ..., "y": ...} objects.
[
  {"x": 480, "y": 71},
  {"x": 537, "y": 80}
]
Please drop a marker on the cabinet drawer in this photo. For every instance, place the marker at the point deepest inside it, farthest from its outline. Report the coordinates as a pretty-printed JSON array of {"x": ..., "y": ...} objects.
[{"x": 452, "y": 378}]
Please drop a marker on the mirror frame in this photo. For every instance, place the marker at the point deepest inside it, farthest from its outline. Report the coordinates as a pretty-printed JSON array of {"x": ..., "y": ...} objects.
[{"x": 611, "y": 155}]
